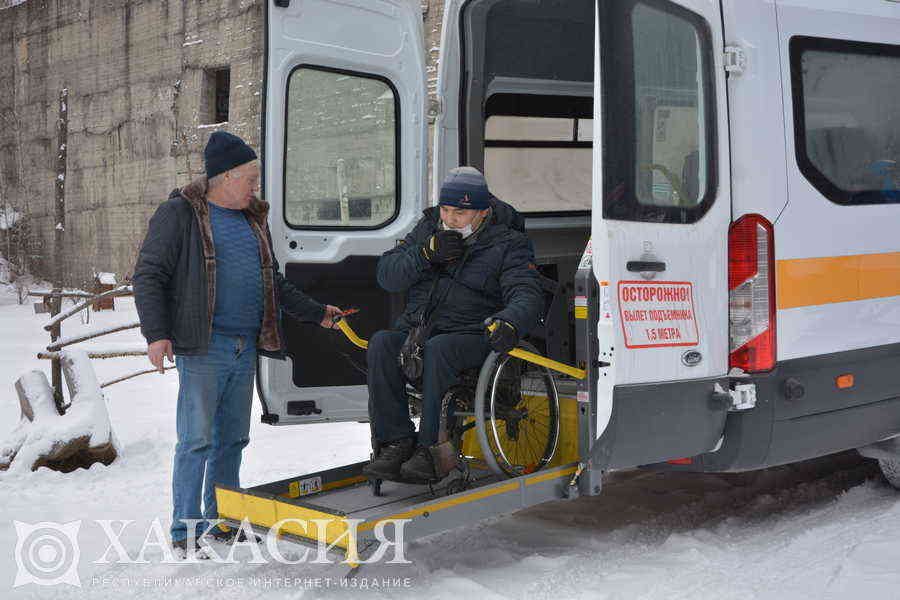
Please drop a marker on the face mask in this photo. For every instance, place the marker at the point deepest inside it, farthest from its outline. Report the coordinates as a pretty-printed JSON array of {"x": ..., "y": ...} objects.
[{"x": 465, "y": 231}]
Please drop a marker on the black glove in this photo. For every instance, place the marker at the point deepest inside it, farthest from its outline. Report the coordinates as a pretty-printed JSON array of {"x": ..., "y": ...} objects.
[
  {"x": 443, "y": 247},
  {"x": 504, "y": 337}
]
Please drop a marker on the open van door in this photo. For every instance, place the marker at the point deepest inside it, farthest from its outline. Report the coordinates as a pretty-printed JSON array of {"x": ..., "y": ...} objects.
[
  {"x": 344, "y": 173},
  {"x": 661, "y": 213}
]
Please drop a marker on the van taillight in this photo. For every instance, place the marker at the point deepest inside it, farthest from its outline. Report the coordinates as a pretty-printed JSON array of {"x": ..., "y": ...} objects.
[{"x": 751, "y": 294}]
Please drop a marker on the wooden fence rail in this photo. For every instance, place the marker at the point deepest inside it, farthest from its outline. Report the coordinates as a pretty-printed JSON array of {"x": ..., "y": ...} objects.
[
  {"x": 119, "y": 291},
  {"x": 62, "y": 343},
  {"x": 54, "y": 298}
]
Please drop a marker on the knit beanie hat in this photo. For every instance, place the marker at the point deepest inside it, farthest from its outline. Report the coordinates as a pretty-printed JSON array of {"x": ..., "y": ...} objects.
[
  {"x": 225, "y": 151},
  {"x": 465, "y": 187}
]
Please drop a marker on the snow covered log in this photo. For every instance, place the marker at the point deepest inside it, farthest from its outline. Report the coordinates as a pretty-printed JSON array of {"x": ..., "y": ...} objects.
[
  {"x": 35, "y": 396},
  {"x": 43, "y": 438}
]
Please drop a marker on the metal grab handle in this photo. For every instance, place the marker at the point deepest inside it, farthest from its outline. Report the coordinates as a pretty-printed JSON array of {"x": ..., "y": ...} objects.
[
  {"x": 543, "y": 361},
  {"x": 643, "y": 266}
]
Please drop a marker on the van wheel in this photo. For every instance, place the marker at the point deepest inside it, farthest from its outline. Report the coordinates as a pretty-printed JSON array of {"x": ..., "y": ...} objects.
[{"x": 891, "y": 470}]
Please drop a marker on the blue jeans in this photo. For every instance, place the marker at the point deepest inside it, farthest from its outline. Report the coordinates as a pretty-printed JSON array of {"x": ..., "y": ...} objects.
[
  {"x": 445, "y": 356},
  {"x": 213, "y": 423}
]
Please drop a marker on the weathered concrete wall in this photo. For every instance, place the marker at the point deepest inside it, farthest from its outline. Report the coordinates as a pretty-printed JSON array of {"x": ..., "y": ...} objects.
[
  {"x": 138, "y": 111},
  {"x": 134, "y": 74}
]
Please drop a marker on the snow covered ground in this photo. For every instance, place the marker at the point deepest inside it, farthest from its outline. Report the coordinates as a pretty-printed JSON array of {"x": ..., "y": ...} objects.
[{"x": 828, "y": 528}]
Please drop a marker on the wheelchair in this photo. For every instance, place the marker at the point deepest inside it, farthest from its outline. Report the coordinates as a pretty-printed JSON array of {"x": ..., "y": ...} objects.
[{"x": 512, "y": 404}]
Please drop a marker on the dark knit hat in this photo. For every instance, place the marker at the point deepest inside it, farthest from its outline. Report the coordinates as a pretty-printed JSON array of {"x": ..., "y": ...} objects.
[
  {"x": 465, "y": 187},
  {"x": 225, "y": 151}
]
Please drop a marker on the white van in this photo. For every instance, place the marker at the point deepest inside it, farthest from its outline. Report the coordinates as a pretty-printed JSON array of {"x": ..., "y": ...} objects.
[{"x": 725, "y": 173}]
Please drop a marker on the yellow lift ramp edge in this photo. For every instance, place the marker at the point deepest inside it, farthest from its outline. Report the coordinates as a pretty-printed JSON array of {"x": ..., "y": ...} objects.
[{"x": 323, "y": 506}]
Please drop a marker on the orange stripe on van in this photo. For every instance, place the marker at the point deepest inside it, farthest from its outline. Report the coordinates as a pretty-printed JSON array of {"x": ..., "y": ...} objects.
[{"x": 814, "y": 281}]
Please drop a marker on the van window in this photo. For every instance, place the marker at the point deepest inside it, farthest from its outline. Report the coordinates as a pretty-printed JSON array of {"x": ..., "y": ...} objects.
[
  {"x": 540, "y": 164},
  {"x": 847, "y": 118},
  {"x": 341, "y": 150},
  {"x": 659, "y": 112}
]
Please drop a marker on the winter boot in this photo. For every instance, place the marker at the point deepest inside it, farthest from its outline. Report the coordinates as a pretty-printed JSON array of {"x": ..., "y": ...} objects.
[
  {"x": 230, "y": 535},
  {"x": 180, "y": 549},
  {"x": 387, "y": 464},
  {"x": 422, "y": 466}
]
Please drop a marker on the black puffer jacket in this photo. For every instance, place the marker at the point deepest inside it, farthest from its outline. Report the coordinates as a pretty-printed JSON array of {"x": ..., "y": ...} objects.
[{"x": 498, "y": 277}]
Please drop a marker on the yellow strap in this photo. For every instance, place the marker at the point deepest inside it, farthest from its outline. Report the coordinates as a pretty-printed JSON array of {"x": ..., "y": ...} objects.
[
  {"x": 543, "y": 361},
  {"x": 548, "y": 362},
  {"x": 344, "y": 326},
  {"x": 525, "y": 355}
]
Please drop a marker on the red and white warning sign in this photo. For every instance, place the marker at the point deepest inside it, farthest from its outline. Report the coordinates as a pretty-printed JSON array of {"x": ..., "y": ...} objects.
[{"x": 658, "y": 313}]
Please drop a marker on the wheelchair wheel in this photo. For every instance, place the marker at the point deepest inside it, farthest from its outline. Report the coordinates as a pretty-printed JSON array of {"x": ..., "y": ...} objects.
[{"x": 519, "y": 407}]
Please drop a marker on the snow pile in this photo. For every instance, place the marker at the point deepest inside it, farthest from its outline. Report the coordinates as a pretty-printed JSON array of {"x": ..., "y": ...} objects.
[
  {"x": 43, "y": 435},
  {"x": 27, "y": 440},
  {"x": 88, "y": 402},
  {"x": 10, "y": 3},
  {"x": 106, "y": 278}
]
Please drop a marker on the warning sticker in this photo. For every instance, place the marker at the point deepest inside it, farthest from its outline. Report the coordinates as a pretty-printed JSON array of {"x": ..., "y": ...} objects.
[
  {"x": 587, "y": 257},
  {"x": 581, "y": 307},
  {"x": 304, "y": 487},
  {"x": 658, "y": 313},
  {"x": 605, "y": 308}
]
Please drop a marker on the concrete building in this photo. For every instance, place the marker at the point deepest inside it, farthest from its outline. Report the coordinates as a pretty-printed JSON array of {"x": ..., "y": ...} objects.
[{"x": 142, "y": 84}]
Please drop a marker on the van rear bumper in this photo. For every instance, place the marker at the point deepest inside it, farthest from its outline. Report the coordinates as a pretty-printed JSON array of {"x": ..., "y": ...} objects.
[
  {"x": 661, "y": 421},
  {"x": 801, "y": 414}
]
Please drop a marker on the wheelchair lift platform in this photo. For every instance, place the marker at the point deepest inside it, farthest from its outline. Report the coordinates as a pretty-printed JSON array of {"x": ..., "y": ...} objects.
[{"x": 348, "y": 512}]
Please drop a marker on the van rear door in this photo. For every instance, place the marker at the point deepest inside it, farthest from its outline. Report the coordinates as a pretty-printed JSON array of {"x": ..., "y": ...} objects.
[
  {"x": 661, "y": 212},
  {"x": 344, "y": 173}
]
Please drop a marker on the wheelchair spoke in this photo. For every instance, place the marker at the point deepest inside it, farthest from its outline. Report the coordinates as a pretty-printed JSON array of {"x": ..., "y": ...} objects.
[
  {"x": 514, "y": 455},
  {"x": 521, "y": 416},
  {"x": 534, "y": 444},
  {"x": 519, "y": 462},
  {"x": 539, "y": 422},
  {"x": 531, "y": 442}
]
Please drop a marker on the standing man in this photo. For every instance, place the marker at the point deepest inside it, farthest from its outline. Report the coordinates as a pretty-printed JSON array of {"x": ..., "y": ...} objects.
[{"x": 208, "y": 291}]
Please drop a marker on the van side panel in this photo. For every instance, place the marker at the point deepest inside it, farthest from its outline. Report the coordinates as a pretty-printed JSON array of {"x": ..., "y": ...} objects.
[
  {"x": 828, "y": 256},
  {"x": 838, "y": 266}
]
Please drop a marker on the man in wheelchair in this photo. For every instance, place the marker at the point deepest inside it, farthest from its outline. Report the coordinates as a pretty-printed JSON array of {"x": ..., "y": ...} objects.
[{"x": 466, "y": 264}]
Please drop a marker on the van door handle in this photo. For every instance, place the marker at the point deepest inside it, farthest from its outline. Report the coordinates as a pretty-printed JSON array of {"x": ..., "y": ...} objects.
[{"x": 643, "y": 266}]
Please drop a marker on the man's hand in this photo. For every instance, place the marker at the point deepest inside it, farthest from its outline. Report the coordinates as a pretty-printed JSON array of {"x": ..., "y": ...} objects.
[
  {"x": 157, "y": 351},
  {"x": 502, "y": 336},
  {"x": 330, "y": 313},
  {"x": 443, "y": 247}
]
